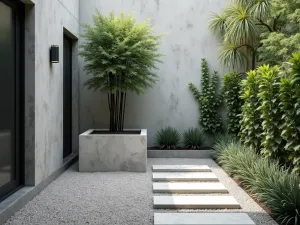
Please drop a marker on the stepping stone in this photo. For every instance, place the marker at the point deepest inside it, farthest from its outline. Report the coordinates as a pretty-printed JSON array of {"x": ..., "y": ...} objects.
[
  {"x": 195, "y": 202},
  {"x": 202, "y": 219},
  {"x": 184, "y": 176},
  {"x": 190, "y": 188},
  {"x": 180, "y": 168}
]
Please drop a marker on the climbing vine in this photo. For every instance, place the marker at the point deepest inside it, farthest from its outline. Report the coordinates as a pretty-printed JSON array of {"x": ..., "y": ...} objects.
[{"x": 208, "y": 100}]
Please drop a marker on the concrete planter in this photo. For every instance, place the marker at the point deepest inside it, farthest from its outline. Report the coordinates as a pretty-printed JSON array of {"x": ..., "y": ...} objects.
[
  {"x": 179, "y": 153},
  {"x": 112, "y": 152}
]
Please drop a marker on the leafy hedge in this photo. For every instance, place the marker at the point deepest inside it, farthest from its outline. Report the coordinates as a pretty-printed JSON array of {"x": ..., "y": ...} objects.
[
  {"x": 290, "y": 107},
  {"x": 251, "y": 121},
  {"x": 277, "y": 188},
  {"x": 272, "y": 142},
  {"x": 231, "y": 93},
  {"x": 270, "y": 121}
]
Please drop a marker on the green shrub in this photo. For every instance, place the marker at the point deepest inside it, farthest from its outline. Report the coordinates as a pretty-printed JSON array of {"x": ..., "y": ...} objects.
[
  {"x": 231, "y": 94},
  {"x": 290, "y": 107},
  {"x": 168, "y": 138},
  {"x": 121, "y": 55},
  {"x": 208, "y": 100},
  {"x": 265, "y": 179},
  {"x": 193, "y": 138},
  {"x": 272, "y": 142},
  {"x": 251, "y": 123}
]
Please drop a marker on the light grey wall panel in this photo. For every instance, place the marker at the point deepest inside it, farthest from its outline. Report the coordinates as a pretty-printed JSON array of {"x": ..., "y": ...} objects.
[
  {"x": 51, "y": 17},
  {"x": 72, "y": 6},
  {"x": 187, "y": 40}
]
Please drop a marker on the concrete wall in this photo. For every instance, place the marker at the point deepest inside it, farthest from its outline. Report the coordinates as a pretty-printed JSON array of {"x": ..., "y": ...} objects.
[
  {"x": 188, "y": 39},
  {"x": 46, "y": 22}
]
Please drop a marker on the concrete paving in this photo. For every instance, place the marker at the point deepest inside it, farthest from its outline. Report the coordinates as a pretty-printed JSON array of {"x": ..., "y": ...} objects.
[
  {"x": 195, "y": 202},
  {"x": 189, "y": 187},
  {"x": 184, "y": 176},
  {"x": 202, "y": 219}
]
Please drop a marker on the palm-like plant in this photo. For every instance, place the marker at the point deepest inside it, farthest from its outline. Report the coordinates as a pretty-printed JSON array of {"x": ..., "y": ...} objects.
[
  {"x": 240, "y": 26},
  {"x": 121, "y": 56}
]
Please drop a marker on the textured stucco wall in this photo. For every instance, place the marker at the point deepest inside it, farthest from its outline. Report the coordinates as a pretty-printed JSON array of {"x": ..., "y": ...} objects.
[
  {"x": 52, "y": 19},
  {"x": 188, "y": 39}
]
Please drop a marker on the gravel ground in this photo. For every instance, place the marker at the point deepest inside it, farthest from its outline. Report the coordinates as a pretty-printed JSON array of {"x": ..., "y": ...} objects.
[{"x": 115, "y": 198}]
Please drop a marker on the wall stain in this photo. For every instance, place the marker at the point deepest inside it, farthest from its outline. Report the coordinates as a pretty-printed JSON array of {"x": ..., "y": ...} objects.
[
  {"x": 189, "y": 25},
  {"x": 45, "y": 106},
  {"x": 176, "y": 48},
  {"x": 157, "y": 4},
  {"x": 174, "y": 102},
  {"x": 177, "y": 64}
]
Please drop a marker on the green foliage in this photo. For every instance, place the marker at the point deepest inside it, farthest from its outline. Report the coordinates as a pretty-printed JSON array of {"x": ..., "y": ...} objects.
[
  {"x": 168, "y": 138},
  {"x": 278, "y": 45},
  {"x": 271, "y": 112},
  {"x": 264, "y": 30},
  {"x": 251, "y": 128},
  {"x": 193, "y": 138},
  {"x": 119, "y": 47},
  {"x": 220, "y": 143},
  {"x": 290, "y": 107},
  {"x": 120, "y": 55},
  {"x": 231, "y": 94},
  {"x": 208, "y": 100},
  {"x": 265, "y": 179},
  {"x": 272, "y": 142}
]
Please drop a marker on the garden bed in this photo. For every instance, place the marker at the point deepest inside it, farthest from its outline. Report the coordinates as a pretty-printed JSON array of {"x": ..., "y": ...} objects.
[{"x": 275, "y": 189}]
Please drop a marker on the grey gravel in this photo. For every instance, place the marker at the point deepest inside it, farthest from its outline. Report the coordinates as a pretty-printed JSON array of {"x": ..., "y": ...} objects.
[{"x": 116, "y": 198}]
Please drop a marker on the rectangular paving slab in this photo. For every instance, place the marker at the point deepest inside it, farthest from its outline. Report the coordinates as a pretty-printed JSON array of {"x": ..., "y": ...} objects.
[
  {"x": 184, "y": 176},
  {"x": 180, "y": 168},
  {"x": 195, "y": 202},
  {"x": 202, "y": 219},
  {"x": 189, "y": 187}
]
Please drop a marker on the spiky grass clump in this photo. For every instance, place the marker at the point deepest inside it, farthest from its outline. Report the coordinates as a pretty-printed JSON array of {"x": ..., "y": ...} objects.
[
  {"x": 219, "y": 143},
  {"x": 275, "y": 186},
  {"x": 193, "y": 138},
  {"x": 168, "y": 138}
]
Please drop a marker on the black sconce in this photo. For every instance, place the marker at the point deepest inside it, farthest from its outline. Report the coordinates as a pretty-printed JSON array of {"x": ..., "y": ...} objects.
[{"x": 54, "y": 54}]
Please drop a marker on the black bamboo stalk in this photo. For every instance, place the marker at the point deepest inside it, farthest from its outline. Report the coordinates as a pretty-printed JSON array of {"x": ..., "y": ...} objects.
[
  {"x": 124, "y": 105},
  {"x": 117, "y": 110},
  {"x": 121, "y": 111},
  {"x": 109, "y": 106}
]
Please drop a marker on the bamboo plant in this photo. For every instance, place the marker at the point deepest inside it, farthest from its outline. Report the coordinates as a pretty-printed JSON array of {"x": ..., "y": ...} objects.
[{"x": 120, "y": 56}]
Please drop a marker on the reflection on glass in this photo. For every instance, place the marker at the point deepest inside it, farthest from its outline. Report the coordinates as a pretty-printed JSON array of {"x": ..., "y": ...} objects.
[{"x": 7, "y": 95}]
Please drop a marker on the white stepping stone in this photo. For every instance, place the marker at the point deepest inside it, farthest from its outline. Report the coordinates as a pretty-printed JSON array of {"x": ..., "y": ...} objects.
[
  {"x": 202, "y": 219},
  {"x": 184, "y": 176},
  {"x": 192, "y": 188},
  {"x": 195, "y": 202},
  {"x": 180, "y": 168}
]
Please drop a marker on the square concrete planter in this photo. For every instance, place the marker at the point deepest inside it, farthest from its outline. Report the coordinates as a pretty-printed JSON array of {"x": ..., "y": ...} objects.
[{"x": 100, "y": 152}]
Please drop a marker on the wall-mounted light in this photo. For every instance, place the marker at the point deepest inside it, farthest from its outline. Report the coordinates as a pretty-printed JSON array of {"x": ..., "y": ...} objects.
[{"x": 54, "y": 54}]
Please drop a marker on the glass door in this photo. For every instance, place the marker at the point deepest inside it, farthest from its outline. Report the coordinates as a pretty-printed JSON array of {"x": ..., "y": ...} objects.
[{"x": 9, "y": 97}]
